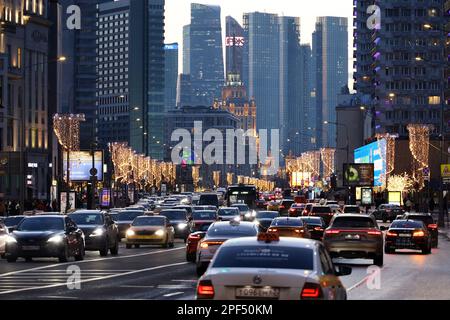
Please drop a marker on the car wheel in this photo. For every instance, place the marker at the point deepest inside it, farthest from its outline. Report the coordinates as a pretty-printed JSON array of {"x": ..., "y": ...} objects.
[
  {"x": 11, "y": 259},
  {"x": 426, "y": 250},
  {"x": 64, "y": 257},
  {"x": 104, "y": 250},
  {"x": 128, "y": 246},
  {"x": 166, "y": 243},
  {"x": 435, "y": 243},
  {"x": 379, "y": 260},
  {"x": 115, "y": 250},
  {"x": 80, "y": 256}
]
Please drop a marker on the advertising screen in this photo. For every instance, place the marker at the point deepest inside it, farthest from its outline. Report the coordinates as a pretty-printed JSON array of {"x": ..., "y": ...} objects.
[
  {"x": 358, "y": 175},
  {"x": 80, "y": 164},
  {"x": 374, "y": 153}
]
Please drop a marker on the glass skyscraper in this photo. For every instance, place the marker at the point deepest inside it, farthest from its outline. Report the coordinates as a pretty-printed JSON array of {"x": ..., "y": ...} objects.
[{"x": 171, "y": 75}]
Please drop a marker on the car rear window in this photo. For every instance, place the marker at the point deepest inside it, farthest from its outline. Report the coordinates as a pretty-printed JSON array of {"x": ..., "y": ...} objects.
[
  {"x": 230, "y": 231},
  {"x": 174, "y": 215},
  {"x": 204, "y": 215},
  {"x": 351, "y": 210},
  {"x": 425, "y": 219},
  {"x": 402, "y": 224},
  {"x": 313, "y": 221},
  {"x": 353, "y": 222},
  {"x": 321, "y": 210},
  {"x": 270, "y": 257},
  {"x": 287, "y": 223}
]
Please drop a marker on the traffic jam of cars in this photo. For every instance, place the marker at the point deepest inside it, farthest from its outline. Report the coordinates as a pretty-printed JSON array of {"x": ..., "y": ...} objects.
[{"x": 291, "y": 244}]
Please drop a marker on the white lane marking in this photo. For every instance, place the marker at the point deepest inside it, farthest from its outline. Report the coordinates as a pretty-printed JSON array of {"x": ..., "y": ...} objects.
[
  {"x": 173, "y": 294},
  {"x": 57, "y": 297},
  {"x": 188, "y": 281},
  {"x": 137, "y": 287},
  {"x": 88, "y": 261},
  {"x": 174, "y": 287},
  {"x": 96, "y": 279}
]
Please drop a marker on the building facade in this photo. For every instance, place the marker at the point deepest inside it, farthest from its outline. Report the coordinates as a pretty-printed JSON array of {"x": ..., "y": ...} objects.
[
  {"x": 206, "y": 53},
  {"x": 112, "y": 65},
  {"x": 235, "y": 42},
  {"x": 187, "y": 49},
  {"x": 330, "y": 48},
  {"x": 170, "y": 76},
  {"x": 146, "y": 77},
  {"x": 401, "y": 63}
]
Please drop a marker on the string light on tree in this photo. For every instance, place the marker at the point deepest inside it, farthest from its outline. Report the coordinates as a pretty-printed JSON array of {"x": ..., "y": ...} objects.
[{"x": 419, "y": 145}]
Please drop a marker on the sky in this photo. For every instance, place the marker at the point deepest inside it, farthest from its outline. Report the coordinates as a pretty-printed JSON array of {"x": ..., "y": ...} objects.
[{"x": 178, "y": 14}]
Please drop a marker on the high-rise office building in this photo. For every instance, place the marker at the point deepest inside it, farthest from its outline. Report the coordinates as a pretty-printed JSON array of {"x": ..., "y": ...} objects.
[
  {"x": 171, "y": 75},
  {"x": 187, "y": 49},
  {"x": 206, "y": 55},
  {"x": 235, "y": 43},
  {"x": 184, "y": 90},
  {"x": 330, "y": 48},
  {"x": 447, "y": 58},
  {"x": 112, "y": 65},
  {"x": 146, "y": 77},
  {"x": 307, "y": 99},
  {"x": 401, "y": 63}
]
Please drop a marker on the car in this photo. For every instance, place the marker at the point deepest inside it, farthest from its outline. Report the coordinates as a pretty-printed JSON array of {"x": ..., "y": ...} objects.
[
  {"x": 325, "y": 212},
  {"x": 351, "y": 209},
  {"x": 261, "y": 203},
  {"x": 12, "y": 222},
  {"x": 264, "y": 219},
  {"x": 273, "y": 205},
  {"x": 217, "y": 234},
  {"x": 228, "y": 214},
  {"x": 289, "y": 227},
  {"x": 209, "y": 199},
  {"x": 3, "y": 235},
  {"x": 192, "y": 242},
  {"x": 125, "y": 219},
  {"x": 100, "y": 231},
  {"x": 189, "y": 209},
  {"x": 355, "y": 236},
  {"x": 136, "y": 208},
  {"x": 178, "y": 219},
  {"x": 307, "y": 209},
  {"x": 316, "y": 227},
  {"x": 335, "y": 208},
  {"x": 296, "y": 210},
  {"x": 388, "y": 212},
  {"x": 150, "y": 230},
  {"x": 284, "y": 207},
  {"x": 45, "y": 237},
  {"x": 268, "y": 267},
  {"x": 200, "y": 218},
  {"x": 408, "y": 234},
  {"x": 202, "y": 208},
  {"x": 429, "y": 222},
  {"x": 246, "y": 213},
  {"x": 114, "y": 216}
]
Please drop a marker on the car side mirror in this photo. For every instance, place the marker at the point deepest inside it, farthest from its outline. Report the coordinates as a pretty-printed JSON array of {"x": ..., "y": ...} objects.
[{"x": 343, "y": 271}]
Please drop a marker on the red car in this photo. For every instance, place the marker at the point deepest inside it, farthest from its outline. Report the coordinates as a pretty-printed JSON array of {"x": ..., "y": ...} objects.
[
  {"x": 296, "y": 210},
  {"x": 200, "y": 219},
  {"x": 192, "y": 244}
]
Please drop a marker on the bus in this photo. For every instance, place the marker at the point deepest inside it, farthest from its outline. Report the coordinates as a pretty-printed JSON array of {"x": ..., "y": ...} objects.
[{"x": 241, "y": 194}]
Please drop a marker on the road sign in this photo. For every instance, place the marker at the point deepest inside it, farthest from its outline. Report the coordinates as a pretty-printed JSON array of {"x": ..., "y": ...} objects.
[{"x": 426, "y": 173}]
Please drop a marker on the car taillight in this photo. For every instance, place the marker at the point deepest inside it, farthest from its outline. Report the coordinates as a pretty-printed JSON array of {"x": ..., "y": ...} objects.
[
  {"x": 432, "y": 226},
  {"x": 374, "y": 233},
  {"x": 332, "y": 232},
  {"x": 194, "y": 237},
  {"x": 281, "y": 207},
  {"x": 311, "y": 291},
  {"x": 273, "y": 230},
  {"x": 205, "y": 290},
  {"x": 299, "y": 231},
  {"x": 318, "y": 229},
  {"x": 419, "y": 234},
  {"x": 204, "y": 245},
  {"x": 391, "y": 234}
]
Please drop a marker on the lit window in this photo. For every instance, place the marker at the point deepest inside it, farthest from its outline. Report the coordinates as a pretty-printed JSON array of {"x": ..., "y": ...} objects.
[{"x": 434, "y": 100}]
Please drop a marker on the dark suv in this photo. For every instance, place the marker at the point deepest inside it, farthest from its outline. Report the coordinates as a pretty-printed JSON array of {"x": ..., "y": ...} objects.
[
  {"x": 323, "y": 212},
  {"x": 285, "y": 206},
  {"x": 387, "y": 212},
  {"x": 429, "y": 222}
]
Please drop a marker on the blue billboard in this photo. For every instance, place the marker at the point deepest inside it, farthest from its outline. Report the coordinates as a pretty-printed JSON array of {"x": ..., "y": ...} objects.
[{"x": 374, "y": 153}]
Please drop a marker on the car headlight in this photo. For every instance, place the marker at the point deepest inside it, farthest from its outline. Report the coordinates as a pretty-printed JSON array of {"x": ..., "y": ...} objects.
[
  {"x": 248, "y": 215},
  {"x": 97, "y": 232},
  {"x": 253, "y": 213},
  {"x": 10, "y": 239},
  {"x": 55, "y": 239},
  {"x": 160, "y": 233},
  {"x": 130, "y": 233},
  {"x": 182, "y": 226},
  {"x": 237, "y": 219}
]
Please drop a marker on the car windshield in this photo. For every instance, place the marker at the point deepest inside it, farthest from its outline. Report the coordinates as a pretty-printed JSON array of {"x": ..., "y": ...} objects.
[
  {"x": 87, "y": 219},
  {"x": 174, "y": 215},
  {"x": 321, "y": 210},
  {"x": 148, "y": 221},
  {"x": 242, "y": 207},
  {"x": 204, "y": 215},
  {"x": 353, "y": 222},
  {"x": 230, "y": 231},
  {"x": 403, "y": 224},
  {"x": 351, "y": 210},
  {"x": 265, "y": 257},
  {"x": 229, "y": 212},
  {"x": 313, "y": 221},
  {"x": 114, "y": 216},
  {"x": 129, "y": 215},
  {"x": 42, "y": 224},
  {"x": 425, "y": 219},
  {"x": 266, "y": 215},
  {"x": 12, "y": 221},
  {"x": 287, "y": 223}
]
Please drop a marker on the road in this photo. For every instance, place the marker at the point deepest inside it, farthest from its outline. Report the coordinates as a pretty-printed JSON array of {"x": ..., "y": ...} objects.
[{"x": 163, "y": 274}]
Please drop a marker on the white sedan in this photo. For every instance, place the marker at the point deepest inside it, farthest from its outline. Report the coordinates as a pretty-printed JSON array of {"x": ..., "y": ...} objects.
[{"x": 270, "y": 267}]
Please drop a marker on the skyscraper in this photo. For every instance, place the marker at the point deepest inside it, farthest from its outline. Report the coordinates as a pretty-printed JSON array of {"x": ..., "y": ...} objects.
[
  {"x": 112, "y": 64},
  {"x": 146, "y": 77},
  {"x": 187, "y": 49},
  {"x": 307, "y": 98},
  {"x": 235, "y": 43},
  {"x": 330, "y": 47},
  {"x": 206, "y": 55},
  {"x": 171, "y": 75}
]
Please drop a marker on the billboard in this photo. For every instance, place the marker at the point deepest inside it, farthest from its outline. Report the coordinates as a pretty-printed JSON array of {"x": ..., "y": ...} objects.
[
  {"x": 374, "y": 153},
  {"x": 366, "y": 196},
  {"x": 80, "y": 164},
  {"x": 358, "y": 175}
]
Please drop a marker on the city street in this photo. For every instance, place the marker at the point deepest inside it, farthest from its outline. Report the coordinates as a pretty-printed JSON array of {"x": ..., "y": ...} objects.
[{"x": 164, "y": 274}]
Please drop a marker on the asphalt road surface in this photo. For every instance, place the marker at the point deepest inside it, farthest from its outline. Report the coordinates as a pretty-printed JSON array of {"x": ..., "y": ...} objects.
[{"x": 164, "y": 274}]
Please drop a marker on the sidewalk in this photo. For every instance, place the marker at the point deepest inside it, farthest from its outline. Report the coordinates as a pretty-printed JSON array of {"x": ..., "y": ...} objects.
[{"x": 443, "y": 231}]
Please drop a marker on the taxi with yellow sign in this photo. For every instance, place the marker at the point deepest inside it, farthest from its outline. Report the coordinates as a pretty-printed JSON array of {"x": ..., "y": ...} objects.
[
  {"x": 148, "y": 230},
  {"x": 268, "y": 267}
]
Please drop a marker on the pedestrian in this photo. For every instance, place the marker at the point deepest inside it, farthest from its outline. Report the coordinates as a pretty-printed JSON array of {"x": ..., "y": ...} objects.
[
  {"x": 408, "y": 205},
  {"x": 54, "y": 206},
  {"x": 431, "y": 205}
]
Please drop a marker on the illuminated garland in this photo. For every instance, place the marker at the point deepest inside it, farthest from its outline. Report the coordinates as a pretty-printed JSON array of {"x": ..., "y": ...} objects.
[
  {"x": 389, "y": 160},
  {"x": 216, "y": 178},
  {"x": 419, "y": 145},
  {"x": 230, "y": 178},
  {"x": 328, "y": 160},
  {"x": 67, "y": 130},
  {"x": 400, "y": 183}
]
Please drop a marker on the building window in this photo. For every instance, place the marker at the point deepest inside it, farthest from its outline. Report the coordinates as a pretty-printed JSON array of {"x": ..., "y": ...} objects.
[{"x": 434, "y": 100}]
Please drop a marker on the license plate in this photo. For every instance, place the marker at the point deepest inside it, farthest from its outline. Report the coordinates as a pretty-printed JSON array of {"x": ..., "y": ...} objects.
[
  {"x": 31, "y": 248},
  {"x": 353, "y": 237},
  {"x": 404, "y": 235},
  {"x": 267, "y": 293},
  {"x": 148, "y": 237}
]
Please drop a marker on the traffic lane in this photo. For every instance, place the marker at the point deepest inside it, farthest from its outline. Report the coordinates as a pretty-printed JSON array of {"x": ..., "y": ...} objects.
[{"x": 406, "y": 275}]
